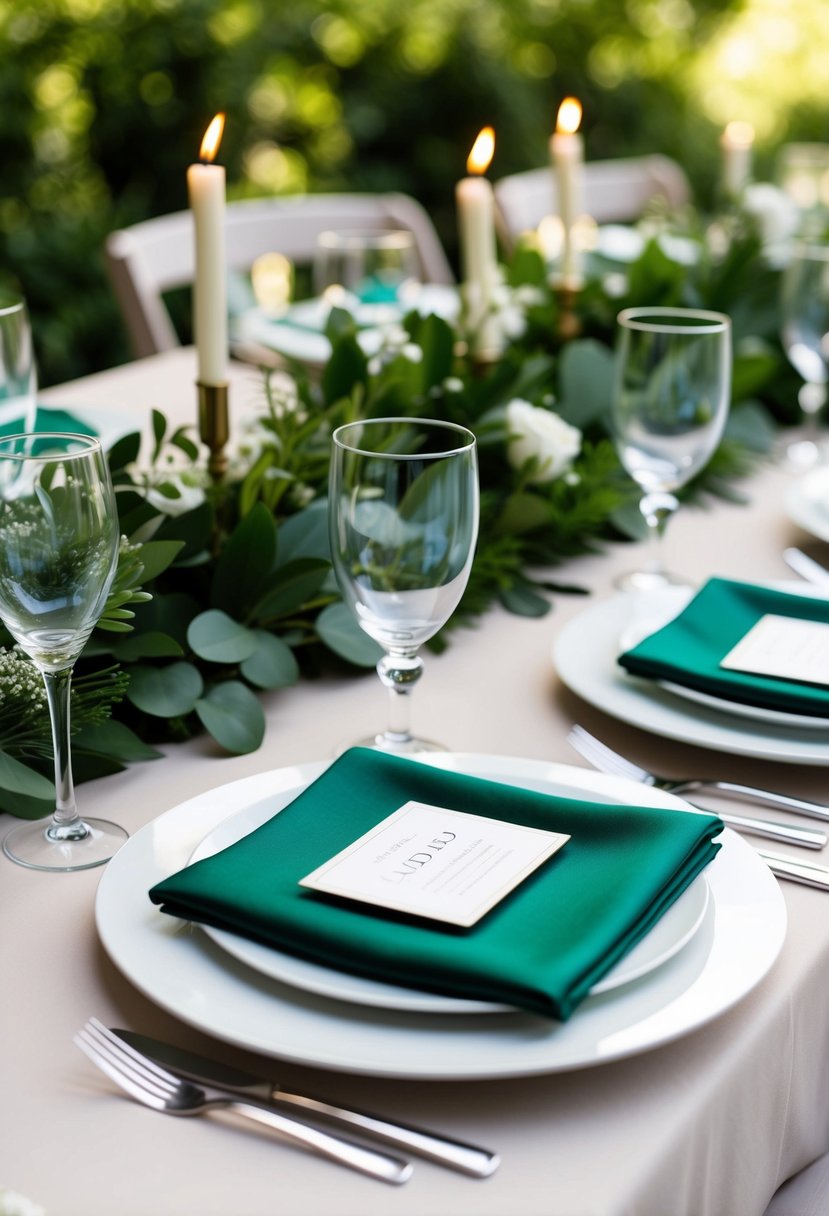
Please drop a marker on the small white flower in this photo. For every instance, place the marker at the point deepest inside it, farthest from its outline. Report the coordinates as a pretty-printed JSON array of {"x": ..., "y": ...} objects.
[
  {"x": 412, "y": 352},
  {"x": 775, "y": 214},
  {"x": 187, "y": 496},
  {"x": 453, "y": 384},
  {"x": 541, "y": 434}
]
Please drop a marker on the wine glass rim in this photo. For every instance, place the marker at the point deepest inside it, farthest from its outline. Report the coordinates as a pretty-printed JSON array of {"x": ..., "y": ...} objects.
[
  {"x": 439, "y": 423},
  {"x": 710, "y": 322},
  {"x": 11, "y": 304},
  {"x": 87, "y": 442}
]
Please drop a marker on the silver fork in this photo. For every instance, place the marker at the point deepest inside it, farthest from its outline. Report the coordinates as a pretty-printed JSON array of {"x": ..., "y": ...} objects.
[
  {"x": 607, "y": 761},
  {"x": 160, "y": 1090}
]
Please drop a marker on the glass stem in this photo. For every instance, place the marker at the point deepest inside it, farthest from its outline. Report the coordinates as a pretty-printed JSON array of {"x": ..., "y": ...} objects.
[
  {"x": 399, "y": 673},
  {"x": 65, "y": 825},
  {"x": 657, "y": 508}
]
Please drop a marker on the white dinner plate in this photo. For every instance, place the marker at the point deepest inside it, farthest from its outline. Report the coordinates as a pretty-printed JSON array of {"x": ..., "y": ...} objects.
[
  {"x": 300, "y": 336},
  {"x": 807, "y": 502},
  {"x": 673, "y": 931},
  {"x": 585, "y": 654},
  {"x": 189, "y": 976}
]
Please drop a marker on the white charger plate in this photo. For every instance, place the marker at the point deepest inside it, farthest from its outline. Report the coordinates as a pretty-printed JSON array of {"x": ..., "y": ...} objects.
[
  {"x": 185, "y": 973},
  {"x": 585, "y": 654},
  {"x": 807, "y": 502},
  {"x": 673, "y": 931}
]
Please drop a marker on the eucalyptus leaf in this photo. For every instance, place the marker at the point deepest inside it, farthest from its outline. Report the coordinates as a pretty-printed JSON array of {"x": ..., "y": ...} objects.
[
  {"x": 245, "y": 563},
  {"x": 114, "y": 739},
  {"x": 305, "y": 534},
  {"x": 150, "y": 645},
  {"x": 233, "y": 716},
  {"x": 521, "y": 599},
  {"x": 291, "y": 587},
  {"x": 166, "y": 692},
  {"x": 345, "y": 370},
  {"x": 273, "y": 663},
  {"x": 18, "y": 778},
  {"x": 25, "y": 807},
  {"x": 340, "y": 632},
  {"x": 215, "y": 636},
  {"x": 586, "y": 374},
  {"x": 124, "y": 451}
]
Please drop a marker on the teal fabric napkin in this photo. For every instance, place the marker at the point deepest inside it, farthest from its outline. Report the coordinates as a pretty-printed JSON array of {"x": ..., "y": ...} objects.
[
  {"x": 48, "y": 418},
  {"x": 542, "y": 948},
  {"x": 688, "y": 650}
]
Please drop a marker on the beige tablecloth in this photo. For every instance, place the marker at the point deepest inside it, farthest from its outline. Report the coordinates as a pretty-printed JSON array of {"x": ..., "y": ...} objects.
[{"x": 708, "y": 1126}]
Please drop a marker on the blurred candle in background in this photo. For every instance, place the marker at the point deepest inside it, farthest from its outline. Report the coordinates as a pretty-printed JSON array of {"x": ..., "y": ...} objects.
[
  {"x": 736, "y": 143},
  {"x": 476, "y": 226},
  {"x": 206, "y": 188},
  {"x": 567, "y": 155}
]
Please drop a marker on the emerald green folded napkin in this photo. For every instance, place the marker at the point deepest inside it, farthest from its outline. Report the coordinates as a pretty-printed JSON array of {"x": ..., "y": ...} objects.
[
  {"x": 688, "y": 650},
  {"x": 47, "y": 418},
  {"x": 541, "y": 949}
]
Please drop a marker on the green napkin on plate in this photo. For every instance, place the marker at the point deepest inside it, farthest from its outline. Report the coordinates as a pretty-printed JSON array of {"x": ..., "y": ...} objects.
[
  {"x": 542, "y": 948},
  {"x": 688, "y": 650},
  {"x": 47, "y": 418}
]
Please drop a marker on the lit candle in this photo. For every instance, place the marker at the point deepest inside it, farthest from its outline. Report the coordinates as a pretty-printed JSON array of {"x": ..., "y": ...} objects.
[
  {"x": 736, "y": 144},
  {"x": 206, "y": 187},
  {"x": 567, "y": 153},
  {"x": 476, "y": 223}
]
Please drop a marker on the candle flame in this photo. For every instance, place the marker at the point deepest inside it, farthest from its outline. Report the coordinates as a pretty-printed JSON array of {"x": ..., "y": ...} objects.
[
  {"x": 739, "y": 134},
  {"x": 569, "y": 116},
  {"x": 212, "y": 139},
  {"x": 482, "y": 152}
]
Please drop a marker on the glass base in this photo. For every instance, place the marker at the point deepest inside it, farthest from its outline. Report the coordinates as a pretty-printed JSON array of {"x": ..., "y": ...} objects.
[
  {"x": 395, "y": 745},
  {"x": 649, "y": 580},
  {"x": 34, "y": 844}
]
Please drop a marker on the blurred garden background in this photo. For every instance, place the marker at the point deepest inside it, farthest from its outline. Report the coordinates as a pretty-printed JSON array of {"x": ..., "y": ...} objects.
[{"x": 104, "y": 104}]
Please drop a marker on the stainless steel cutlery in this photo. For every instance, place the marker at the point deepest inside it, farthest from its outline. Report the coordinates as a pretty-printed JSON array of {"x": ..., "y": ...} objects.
[
  {"x": 178, "y": 1082},
  {"x": 607, "y": 761},
  {"x": 466, "y": 1158},
  {"x": 163, "y": 1091}
]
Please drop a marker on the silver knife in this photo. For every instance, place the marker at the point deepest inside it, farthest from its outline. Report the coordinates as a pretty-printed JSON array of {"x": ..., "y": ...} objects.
[
  {"x": 797, "y": 871},
  {"x": 466, "y": 1158}
]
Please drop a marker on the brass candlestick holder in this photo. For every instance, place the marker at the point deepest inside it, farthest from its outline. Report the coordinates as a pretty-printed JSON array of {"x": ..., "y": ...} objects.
[
  {"x": 569, "y": 323},
  {"x": 214, "y": 426}
]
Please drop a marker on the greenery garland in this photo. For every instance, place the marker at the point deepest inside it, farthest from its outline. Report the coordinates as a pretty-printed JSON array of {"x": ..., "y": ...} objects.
[{"x": 225, "y": 591}]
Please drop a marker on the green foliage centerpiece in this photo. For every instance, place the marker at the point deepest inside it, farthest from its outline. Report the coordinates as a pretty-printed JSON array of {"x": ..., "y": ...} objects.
[{"x": 225, "y": 590}]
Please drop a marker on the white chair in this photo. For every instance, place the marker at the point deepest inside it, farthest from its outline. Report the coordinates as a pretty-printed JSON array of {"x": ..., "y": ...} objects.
[
  {"x": 155, "y": 256},
  {"x": 613, "y": 191}
]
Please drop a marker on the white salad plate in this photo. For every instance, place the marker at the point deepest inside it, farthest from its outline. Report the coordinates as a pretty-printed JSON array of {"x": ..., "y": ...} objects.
[
  {"x": 585, "y": 656},
  {"x": 187, "y": 974},
  {"x": 669, "y": 935}
]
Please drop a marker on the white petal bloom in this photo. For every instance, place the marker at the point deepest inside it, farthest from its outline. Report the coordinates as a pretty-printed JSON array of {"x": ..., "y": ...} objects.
[
  {"x": 539, "y": 433},
  {"x": 187, "y": 497},
  {"x": 775, "y": 214}
]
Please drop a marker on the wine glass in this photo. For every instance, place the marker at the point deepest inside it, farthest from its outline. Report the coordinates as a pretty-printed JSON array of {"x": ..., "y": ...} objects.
[
  {"x": 18, "y": 376},
  {"x": 404, "y": 522},
  {"x": 805, "y": 334},
  {"x": 670, "y": 404},
  {"x": 58, "y": 553},
  {"x": 370, "y": 273}
]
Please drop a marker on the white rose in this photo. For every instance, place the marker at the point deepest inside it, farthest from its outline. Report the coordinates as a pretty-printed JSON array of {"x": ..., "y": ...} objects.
[{"x": 542, "y": 434}]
